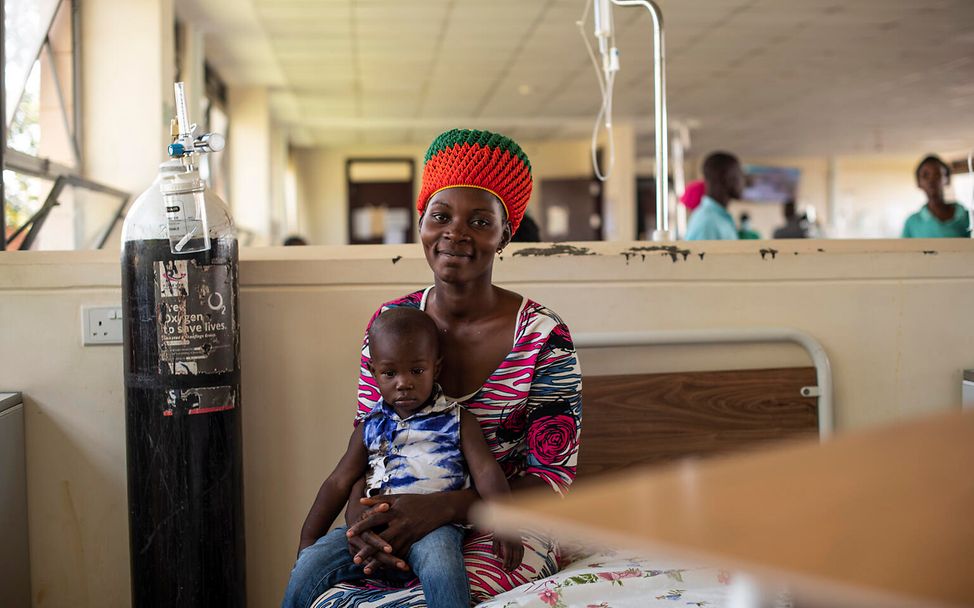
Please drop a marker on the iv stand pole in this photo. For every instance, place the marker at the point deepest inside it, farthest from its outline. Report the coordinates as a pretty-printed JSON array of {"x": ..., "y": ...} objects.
[{"x": 662, "y": 232}]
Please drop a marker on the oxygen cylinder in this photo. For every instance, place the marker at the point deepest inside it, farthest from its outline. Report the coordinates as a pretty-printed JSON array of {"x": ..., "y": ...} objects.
[{"x": 182, "y": 394}]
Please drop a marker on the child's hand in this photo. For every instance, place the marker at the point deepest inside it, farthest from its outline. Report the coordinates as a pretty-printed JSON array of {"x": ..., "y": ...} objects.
[
  {"x": 371, "y": 564},
  {"x": 511, "y": 551}
]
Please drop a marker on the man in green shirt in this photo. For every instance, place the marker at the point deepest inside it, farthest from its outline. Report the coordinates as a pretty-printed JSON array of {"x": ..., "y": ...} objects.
[{"x": 938, "y": 218}]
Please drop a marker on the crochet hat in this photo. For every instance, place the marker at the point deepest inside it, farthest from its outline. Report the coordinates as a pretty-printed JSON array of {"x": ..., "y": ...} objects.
[{"x": 478, "y": 159}]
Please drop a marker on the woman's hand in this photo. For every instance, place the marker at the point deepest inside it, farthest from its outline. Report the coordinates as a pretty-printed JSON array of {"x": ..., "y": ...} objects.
[
  {"x": 509, "y": 550},
  {"x": 403, "y": 519},
  {"x": 368, "y": 548}
]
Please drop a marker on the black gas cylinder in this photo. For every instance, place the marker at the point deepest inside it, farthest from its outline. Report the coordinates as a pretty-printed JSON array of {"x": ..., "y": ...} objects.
[{"x": 182, "y": 411}]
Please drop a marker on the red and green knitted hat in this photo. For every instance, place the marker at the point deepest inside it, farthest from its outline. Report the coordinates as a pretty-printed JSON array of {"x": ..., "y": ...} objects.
[{"x": 478, "y": 159}]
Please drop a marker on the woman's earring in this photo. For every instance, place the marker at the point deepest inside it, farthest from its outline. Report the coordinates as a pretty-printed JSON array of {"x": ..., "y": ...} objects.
[{"x": 500, "y": 250}]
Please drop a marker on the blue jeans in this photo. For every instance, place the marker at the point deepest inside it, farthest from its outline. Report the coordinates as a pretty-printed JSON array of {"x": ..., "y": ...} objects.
[{"x": 436, "y": 559}]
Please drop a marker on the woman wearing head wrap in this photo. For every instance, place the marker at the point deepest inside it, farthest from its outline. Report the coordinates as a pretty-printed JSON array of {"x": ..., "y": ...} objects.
[{"x": 506, "y": 359}]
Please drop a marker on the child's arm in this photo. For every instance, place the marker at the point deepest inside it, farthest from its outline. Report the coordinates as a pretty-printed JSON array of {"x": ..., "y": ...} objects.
[
  {"x": 354, "y": 508},
  {"x": 489, "y": 480},
  {"x": 486, "y": 473},
  {"x": 335, "y": 490}
]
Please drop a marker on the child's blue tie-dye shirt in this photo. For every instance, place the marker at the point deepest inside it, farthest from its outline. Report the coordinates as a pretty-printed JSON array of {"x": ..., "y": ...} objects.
[{"x": 417, "y": 455}]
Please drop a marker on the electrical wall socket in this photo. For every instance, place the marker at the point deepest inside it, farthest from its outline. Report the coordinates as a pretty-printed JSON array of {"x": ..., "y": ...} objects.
[{"x": 101, "y": 325}]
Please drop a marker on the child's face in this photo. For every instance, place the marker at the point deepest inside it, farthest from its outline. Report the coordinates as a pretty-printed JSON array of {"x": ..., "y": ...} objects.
[{"x": 405, "y": 370}]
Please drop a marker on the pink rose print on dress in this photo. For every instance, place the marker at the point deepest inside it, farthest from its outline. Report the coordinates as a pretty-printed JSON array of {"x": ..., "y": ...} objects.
[{"x": 552, "y": 439}]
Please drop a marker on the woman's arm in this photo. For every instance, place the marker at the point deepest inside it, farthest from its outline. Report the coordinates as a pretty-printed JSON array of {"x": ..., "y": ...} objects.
[
  {"x": 528, "y": 482},
  {"x": 406, "y": 518},
  {"x": 554, "y": 414},
  {"x": 489, "y": 481},
  {"x": 409, "y": 517}
]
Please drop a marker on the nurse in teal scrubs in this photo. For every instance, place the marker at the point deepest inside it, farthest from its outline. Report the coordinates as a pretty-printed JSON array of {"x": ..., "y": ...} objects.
[{"x": 938, "y": 218}]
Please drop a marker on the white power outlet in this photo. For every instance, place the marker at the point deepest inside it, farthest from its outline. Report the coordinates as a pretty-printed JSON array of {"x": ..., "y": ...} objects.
[{"x": 101, "y": 325}]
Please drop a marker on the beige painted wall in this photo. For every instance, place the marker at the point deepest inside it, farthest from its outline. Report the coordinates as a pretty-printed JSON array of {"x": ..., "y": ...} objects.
[
  {"x": 875, "y": 195},
  {"x": 324, "y": 191},
  {"x": 125, "y": 142},
  {"x": 277, "y": 174},
  {"x": 895, "y": 321},
  {"x": 250, "y": 146}
]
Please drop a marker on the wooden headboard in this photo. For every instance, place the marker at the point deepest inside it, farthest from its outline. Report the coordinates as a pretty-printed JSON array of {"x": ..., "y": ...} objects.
[{"x": 656, "y": 418}]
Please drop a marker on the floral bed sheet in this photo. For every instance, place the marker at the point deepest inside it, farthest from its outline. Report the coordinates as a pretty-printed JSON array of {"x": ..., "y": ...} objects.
[
  {"x": 606, "y": 579},
  {"x": 612, "y": 579}
]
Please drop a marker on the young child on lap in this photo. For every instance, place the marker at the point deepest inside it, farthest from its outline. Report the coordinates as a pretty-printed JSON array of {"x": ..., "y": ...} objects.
[{"x": 413, "y": 442}]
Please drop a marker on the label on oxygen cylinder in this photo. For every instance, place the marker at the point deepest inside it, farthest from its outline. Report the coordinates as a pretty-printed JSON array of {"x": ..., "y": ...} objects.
[
  {"x": 186, "y": 221},
  {"x": 194, "y": 320},
  {"x": 200, "y": 400}
]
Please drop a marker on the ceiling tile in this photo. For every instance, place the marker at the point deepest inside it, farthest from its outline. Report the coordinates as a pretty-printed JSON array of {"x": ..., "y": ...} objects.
[{"x": 772, "y": 76}]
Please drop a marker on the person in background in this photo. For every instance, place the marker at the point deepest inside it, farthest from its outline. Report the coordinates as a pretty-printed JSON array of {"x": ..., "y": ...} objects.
[
  {"x": 529, "y": 232},
  {"x": 937, "y": 218},
  {"x": 796, "y": 227},
  {"x": 295, "y": 241},
  {"x": 745, "y": 232},
  {"x": 725, "y": 181}
]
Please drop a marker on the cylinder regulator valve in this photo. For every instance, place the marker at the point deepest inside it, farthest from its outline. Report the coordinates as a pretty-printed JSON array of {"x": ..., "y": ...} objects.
[{"x": 182, "y": 191}]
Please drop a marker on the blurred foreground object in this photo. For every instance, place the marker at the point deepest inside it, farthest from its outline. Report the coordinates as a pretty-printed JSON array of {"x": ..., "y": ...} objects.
[{"x": 881, "y": 517}]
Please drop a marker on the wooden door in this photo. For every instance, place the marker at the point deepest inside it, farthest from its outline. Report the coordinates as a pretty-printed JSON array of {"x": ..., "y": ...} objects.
[
  {"x": 571, "y": 210},
  {"x": 380, "y": 201}
]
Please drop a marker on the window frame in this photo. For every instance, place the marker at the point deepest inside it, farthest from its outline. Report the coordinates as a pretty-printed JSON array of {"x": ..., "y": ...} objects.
[{"x": 59, "y": 174}]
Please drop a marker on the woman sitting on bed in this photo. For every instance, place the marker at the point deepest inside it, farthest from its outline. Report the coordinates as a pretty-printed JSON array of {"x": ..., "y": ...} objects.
[{"x": 508, "y": 360}]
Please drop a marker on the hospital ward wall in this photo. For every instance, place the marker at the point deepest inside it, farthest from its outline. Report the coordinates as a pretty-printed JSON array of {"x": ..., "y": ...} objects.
[
  {"x": 854, "y": 196},
  {"x": 893, "y": 316},
  {"x": 323, "y": 189}
]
